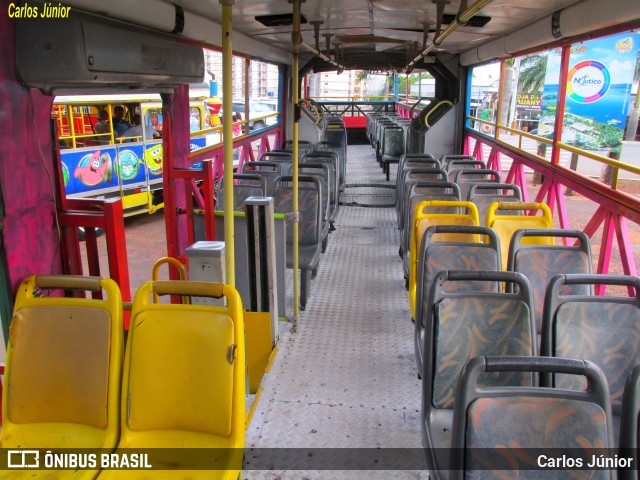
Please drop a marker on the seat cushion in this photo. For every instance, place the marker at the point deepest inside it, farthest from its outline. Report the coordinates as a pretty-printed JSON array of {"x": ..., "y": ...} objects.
[{"x": 59, "y": 369}]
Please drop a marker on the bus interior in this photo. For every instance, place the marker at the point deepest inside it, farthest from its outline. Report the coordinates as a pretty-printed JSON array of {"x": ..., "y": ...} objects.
[{"x": 398, "y": 238}]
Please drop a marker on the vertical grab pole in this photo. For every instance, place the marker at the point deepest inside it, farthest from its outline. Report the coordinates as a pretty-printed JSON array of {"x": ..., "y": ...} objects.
[
  {"x": 227, "y": 140},
  {"x": 295, "y": 39}
]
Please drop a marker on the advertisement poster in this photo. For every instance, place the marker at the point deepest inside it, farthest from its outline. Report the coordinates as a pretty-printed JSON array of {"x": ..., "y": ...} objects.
[{"x": 598, "y": 92}]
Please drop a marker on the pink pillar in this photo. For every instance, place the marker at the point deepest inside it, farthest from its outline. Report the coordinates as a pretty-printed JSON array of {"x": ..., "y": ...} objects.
[
  {"x": 27, "y": 171},
  {"x": 466, "y": 148},
  {"x": 477, "y": 151}
]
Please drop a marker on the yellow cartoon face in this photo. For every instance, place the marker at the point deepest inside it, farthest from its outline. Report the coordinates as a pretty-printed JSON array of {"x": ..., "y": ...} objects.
[{"x": 153, "y": 159}]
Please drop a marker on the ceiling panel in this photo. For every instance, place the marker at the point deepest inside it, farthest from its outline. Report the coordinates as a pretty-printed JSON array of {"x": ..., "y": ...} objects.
[{"x": 385, "y": 20}]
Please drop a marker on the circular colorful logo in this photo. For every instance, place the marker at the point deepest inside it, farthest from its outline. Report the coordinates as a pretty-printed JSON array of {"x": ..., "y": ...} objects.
[
  {"x": 588, "y": 81},
  {"x": 127, "y": 165}
]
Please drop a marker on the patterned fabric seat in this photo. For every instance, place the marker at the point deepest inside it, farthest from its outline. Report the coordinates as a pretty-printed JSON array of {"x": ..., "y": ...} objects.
[
  {"x": 463, "y": 324},
  {"x": 451, "y": 255},
  {"x": 484, "y": 194},
  {"x": 629, "y": 424},
  {"x": 420, "y": 192},
  {"x": 331, "y": 159},
  {"x": 309, "y": 225},
  {"x": 467, "y": 178},
  {"x": 486, "y": 421},
  {"x": 269, "y": 170},
  {"x": 601, "y": 329},
  {"x": 247, "y": 186},
  {"x": 540, "y": 263},
  {"x": 341, "y": 153},
  {"x": 322, "y": 173},
  {"x": 411, "y": 176},
  {"x": 410, "y": 161}
]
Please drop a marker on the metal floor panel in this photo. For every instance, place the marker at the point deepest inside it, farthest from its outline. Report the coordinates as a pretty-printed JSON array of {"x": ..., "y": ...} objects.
[{"x": 346, "y": 378}]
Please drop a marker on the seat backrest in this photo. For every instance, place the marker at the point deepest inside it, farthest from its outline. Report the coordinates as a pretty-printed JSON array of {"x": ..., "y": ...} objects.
[
  {"x": 331, "y": 159},
  {"x": 269, "y": 170},
  {"x": 602, "y": 329},
  {"x": 309, "y": 195},
  {"x": 335, "y": 133},
  {"x": 185, "y": 365},
  {"x": 629, "y": 424},
  {"x": 304, "y": 146},
  {"x": 414, "y": 162},
  {"x": 425, "y": 190},
  {"x": 410, "y": 176},
  {"x": 64, "y": 361},
  {"x": 453, "y": 166},
  {"x": 323, "y": 173},
  {"x": 419, "y": 192},
  {"x": 484, "y": 194},
  {"x": 283, "y": 159},
  {"x": 247, "y": 185},
  {"x": 506, "y": 225},
  {"x": 468, "y": 178},
  {"x": 446, "y": 159},
  {"x": 427, "y": 213},
  {"x": 463, "y": 323},
  {"x": 540, "y": 263},
  {"x": 483, "y": 255},
  {"x": 393, "y": 142},
  {"x": 487, "y": 420}
]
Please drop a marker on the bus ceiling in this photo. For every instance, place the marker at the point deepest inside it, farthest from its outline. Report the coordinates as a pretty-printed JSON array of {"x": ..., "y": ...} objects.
[
  {"x": 73, "y": 56},
  {"x": 380, "y": 34}
]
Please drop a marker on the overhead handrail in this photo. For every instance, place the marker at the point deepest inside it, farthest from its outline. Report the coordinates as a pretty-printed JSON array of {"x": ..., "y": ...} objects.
[{"x": 461, "y": 18}]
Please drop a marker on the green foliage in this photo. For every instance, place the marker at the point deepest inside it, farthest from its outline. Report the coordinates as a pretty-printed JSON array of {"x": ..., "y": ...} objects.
[{"x": 533, "y": 69}]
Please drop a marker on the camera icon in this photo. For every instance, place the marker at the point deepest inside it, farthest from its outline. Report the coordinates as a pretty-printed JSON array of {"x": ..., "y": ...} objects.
[{"x": 23, "y": 459}]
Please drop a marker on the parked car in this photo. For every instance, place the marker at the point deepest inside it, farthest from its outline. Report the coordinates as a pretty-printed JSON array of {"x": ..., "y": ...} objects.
[{"x": 257, "y": 109}]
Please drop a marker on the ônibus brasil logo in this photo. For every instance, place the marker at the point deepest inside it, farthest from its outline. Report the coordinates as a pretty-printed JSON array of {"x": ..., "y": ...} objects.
[{"x": 588, "y": 81}]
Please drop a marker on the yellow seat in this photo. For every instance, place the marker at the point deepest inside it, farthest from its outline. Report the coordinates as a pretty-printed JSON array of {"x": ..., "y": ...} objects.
[
  {"x": 184, "y": 383},
  {"x": 506, "y": 225},
  {"x": 63, "y": 371},
  {"x": 428, "y": 214}
]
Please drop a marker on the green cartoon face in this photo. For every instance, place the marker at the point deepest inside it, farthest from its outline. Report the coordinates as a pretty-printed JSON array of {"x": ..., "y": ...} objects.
[
  {"x": 65, "y": 174},
  {"x": 128, "y": 165}
]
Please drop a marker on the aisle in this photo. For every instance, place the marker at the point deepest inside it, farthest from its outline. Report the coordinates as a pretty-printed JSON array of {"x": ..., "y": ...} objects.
[{"x": 347, "y": 378}]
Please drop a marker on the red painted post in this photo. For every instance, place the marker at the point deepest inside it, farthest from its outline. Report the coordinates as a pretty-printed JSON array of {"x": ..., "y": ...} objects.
[
  {"x": 562, "y": 96},
  {"x": 117, "y": 250},
  {"x": 606, "y": 247},
  {"x": 626, "y": 249}
]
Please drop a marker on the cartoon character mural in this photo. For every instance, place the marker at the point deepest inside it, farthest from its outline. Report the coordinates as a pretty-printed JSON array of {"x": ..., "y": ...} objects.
[
  {"x": 94, "y": 169},
  {"x": 65, "y": 174},
  {"x": 127, "y": 165},
  {"x": 153, "y": 158}
]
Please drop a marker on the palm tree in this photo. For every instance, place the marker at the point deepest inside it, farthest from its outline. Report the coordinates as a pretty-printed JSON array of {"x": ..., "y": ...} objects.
[
  {"x": 632, "y": 126},
  {"x": 507, "y": 91},
  {"x": 532, "y": 72}
]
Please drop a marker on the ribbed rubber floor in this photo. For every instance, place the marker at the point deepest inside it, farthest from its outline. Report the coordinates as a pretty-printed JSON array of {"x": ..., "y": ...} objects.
[{"x": 347, "y": 377}]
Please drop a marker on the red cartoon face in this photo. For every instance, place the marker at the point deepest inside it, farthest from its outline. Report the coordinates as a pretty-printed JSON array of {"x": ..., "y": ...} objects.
[{"x": 93, "y": 169}]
